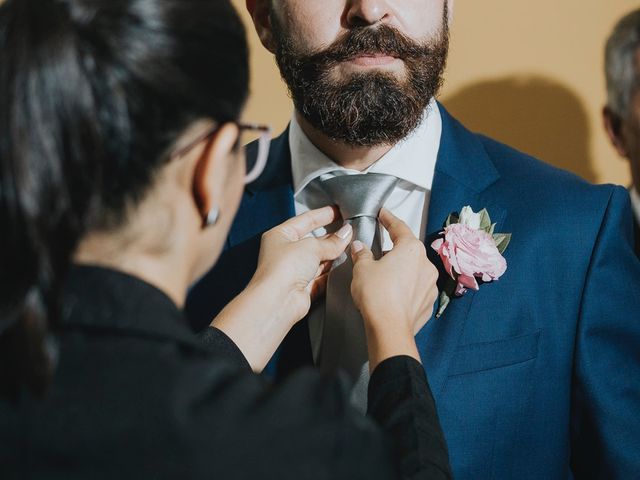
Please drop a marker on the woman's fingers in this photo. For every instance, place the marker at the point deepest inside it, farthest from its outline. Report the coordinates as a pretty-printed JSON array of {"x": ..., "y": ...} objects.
[
  {"x": 360, "y": 252},
  {"x": 331, "y": 246},
  {"x": 397, "y": 229},
  {"x": 323, "y": 268},
  {"x": 299, "y": 227},
  {"x": 317, "y": 286}
]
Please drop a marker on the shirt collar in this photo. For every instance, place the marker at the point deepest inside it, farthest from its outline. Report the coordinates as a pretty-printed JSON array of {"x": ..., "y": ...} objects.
[
  {"x": 412, "y": 159},
  {"x": 635, "y": 203}
]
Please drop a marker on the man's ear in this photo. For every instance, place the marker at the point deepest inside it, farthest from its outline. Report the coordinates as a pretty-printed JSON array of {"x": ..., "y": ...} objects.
[
  {"x": 613, "y": 125},
  {"x": 260, "y": 12},
  {"x": 211, "y": 172}
]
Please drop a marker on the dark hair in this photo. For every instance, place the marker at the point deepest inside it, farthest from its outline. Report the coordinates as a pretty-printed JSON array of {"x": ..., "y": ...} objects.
[{"x": 93, "y": 93}]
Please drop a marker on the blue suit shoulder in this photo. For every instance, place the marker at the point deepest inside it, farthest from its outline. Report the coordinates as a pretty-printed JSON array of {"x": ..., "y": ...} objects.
[
  {"x": 517, "y": 166},
  {"x": 543, "y": 187}
]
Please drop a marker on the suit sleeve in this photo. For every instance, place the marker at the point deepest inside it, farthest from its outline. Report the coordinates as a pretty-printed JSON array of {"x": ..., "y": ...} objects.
[{"x": 606, "y": 381}]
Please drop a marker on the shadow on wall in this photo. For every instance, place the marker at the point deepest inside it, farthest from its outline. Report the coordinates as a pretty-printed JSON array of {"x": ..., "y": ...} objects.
[{"x": 536, "y": 115}]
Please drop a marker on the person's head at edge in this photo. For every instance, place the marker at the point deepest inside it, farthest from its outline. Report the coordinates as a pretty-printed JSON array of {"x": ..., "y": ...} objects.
[
  {"x": 622, "y": 112},
  {"x": 96, "y": 97},
  {"x": 361, "y": 73}
]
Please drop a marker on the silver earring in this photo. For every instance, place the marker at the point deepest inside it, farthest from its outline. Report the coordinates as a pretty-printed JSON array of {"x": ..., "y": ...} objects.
[{"x": 212, "y": 217}]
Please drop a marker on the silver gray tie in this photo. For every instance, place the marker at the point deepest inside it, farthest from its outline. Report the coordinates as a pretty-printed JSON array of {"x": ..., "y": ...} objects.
[{"x": 344, "y": 345}]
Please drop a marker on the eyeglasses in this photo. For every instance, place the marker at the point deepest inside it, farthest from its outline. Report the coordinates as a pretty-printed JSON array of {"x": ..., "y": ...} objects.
[{"x": 254, "y": 139}]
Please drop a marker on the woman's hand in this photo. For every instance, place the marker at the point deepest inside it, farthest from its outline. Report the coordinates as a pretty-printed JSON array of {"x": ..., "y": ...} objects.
[
  {"x": 395, "y": 294},
  {"x": 294, "y": 266},
  {"x": 292, "y": 271}
]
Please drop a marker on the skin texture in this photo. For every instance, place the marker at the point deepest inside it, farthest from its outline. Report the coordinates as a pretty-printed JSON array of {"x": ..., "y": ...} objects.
[
  {"x": 316, "y": 25},
  {"x": 624, "y": 132}
]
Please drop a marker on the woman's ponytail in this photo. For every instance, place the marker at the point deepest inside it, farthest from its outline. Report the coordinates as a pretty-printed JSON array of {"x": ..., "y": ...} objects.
[{"x": 41, "y": 203}]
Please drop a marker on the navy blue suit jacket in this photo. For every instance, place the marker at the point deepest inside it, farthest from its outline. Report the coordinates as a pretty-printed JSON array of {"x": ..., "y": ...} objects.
[{"x": 536, "y": 376}]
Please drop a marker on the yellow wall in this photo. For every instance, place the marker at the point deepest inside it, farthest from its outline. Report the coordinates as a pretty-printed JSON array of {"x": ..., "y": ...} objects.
[{"x": 527, "y": 73}]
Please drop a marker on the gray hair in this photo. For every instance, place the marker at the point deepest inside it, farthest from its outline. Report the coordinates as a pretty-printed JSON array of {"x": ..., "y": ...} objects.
[{"x": 620, "y": 69}]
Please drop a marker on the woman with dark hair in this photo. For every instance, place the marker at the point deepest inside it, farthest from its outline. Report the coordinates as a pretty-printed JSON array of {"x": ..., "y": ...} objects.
[{"x": 120, "y": 174}]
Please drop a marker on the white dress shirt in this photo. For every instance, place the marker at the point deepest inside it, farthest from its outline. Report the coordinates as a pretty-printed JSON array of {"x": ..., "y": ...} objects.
[
  {"x": 635, "y": 203},
  {"x": 412, "y": 160}
]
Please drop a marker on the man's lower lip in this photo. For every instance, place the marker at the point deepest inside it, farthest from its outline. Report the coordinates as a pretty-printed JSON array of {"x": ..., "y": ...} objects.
[{"x": 373, "y": 61}]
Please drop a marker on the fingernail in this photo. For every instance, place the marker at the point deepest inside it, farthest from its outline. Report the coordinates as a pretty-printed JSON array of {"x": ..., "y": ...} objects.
[
  {"x": 345, "y": 231},
  {"x": 356, "y": 246}
]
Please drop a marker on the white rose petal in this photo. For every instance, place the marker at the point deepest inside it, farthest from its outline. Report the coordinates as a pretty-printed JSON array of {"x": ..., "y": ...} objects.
[{"x": 469, "y": 218}]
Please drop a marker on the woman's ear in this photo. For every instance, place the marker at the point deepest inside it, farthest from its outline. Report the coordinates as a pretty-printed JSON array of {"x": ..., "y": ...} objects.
[
  {"x": 614, "y": 128},
  {"x": 213, "y": 169},
  {"x": 260, "y": 12}
]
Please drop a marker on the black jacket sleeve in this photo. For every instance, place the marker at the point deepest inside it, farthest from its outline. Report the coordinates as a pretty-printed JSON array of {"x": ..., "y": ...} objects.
[
  {"x": 400, "y": 401},
  {"x": 411, "y": 443},
  {"x": 221, "y": 345},
  {"x": 305, "y": 427}
]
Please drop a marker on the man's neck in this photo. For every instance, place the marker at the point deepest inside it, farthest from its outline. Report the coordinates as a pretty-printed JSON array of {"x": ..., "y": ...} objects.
[{"x": 354, "y": 158}]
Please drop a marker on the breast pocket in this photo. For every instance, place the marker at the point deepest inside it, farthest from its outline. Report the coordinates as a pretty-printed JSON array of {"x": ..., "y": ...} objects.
[
  {"x": 479, "y": 357},
  {"x": 485, "y": 403}
]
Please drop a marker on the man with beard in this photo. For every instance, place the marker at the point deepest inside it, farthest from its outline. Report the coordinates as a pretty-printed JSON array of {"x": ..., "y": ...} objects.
[
  {"x": 622, "y": 113},
  {"x": 536, "y": 375}
]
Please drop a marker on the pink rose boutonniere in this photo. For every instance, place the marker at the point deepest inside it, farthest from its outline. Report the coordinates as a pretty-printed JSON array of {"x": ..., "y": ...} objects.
[{"x": 471, "y": 252}]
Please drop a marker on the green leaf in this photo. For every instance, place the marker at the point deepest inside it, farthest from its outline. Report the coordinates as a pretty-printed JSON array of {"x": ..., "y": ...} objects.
[
  {"x": 444, "y": 303},
  {"x": 492, "y": 229},
  {"x": 485, "y": 220},
  {"x": 502, "y": 241}
]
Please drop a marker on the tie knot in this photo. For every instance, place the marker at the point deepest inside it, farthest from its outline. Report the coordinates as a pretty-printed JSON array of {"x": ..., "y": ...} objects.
[{"x": 359, "y": 195}]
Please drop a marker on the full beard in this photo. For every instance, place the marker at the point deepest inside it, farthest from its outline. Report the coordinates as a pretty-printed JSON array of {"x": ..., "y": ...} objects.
[{"x": 366, "y": 109}]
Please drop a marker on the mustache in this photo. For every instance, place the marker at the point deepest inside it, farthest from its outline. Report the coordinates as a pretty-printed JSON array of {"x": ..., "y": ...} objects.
[{"x": 381, "y": 40}]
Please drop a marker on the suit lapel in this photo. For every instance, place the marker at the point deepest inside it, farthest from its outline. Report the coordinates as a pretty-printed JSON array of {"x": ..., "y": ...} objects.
[
  {"x": 462, "y": 177},
  {"x": 267, "y": 202}
]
